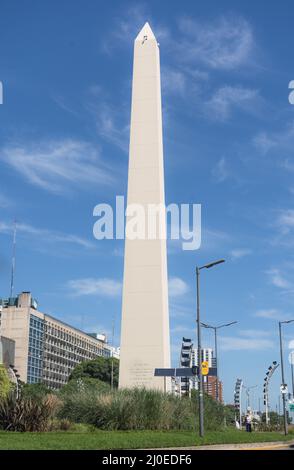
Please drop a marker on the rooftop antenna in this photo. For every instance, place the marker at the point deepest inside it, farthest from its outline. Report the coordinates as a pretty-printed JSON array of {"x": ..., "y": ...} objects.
[{"x": 13, "y": 259}]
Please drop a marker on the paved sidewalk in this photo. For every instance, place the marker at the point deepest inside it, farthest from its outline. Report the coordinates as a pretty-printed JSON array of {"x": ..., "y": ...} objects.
[{"x": 245, "y": 446}]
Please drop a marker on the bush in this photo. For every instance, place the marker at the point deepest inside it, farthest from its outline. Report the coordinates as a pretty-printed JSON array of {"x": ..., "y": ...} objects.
[{"x": 26, "y": 414}]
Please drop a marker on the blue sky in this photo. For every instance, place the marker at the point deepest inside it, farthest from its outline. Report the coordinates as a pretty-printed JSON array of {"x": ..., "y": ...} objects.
[{"x": 228, "y": 142}]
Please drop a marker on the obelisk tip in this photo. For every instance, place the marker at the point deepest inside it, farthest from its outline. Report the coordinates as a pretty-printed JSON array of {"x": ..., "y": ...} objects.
[{"x": 145, "y": 33}]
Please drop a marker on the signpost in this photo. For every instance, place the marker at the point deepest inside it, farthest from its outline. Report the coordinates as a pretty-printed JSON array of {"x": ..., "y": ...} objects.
[{"x": 205, "y": 368}]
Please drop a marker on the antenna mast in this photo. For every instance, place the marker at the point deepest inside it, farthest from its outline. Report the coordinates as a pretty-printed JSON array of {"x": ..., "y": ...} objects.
[{"x": 13, "y": 259}]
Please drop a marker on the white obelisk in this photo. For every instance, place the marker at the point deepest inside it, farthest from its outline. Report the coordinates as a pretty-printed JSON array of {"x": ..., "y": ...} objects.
[{"x": 145, "y": 342}]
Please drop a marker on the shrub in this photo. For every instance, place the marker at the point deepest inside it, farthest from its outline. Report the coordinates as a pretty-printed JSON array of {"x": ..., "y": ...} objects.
[{"x": 26, "y": 414}]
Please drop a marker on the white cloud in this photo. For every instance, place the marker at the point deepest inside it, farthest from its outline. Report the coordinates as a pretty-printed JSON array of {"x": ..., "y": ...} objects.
[
  {"x": 264, "y": 143},
  {"x": 177, "y": 287},
  {"x": 270, "y": 314},
  {"x": 282, "y": 140},
  {"x": 92, "y": 286},
  {"x": 173, "y": 81},
  {"x": 4, "y": 201},
  {"x": 277, "y": 279},
  {"x": 226, "y": 98},
  {"x": 254, "y": 333},
  {"x": 182, "y": 330},
  {"x": 226, "y": 43},
  {"x": 109, "y": 126},
  {"x": 221, "y": 172},
  {"x": 230, "y": 343},
  {"x": 238, "y": 253},
  {"x": 285, "y": 220},
  {"x": 178, "y": 310},
  {"x": 54, "y": 165},
  {"x": 45, "y": 235}
]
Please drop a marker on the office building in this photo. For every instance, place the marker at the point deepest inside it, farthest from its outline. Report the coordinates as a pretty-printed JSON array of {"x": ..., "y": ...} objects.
[{"x": 46, "y": 349}]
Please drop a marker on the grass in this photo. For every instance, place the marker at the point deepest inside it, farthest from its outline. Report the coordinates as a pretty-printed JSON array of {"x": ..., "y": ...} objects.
[{"x": 127, "y": 439}]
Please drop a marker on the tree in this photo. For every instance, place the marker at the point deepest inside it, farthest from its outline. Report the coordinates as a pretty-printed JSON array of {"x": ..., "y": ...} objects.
[
  {"x": 84, "y": 384},
  {"x": 99, "y": 368},
  {"x": 37, "y": 391},
  {"x": 5, "y": 384}
]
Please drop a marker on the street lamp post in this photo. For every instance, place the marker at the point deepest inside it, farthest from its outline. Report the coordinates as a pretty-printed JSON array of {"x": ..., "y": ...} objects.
[
  {"x": 200, "y": 376},
  {"x": 248, "y": 405},
  {"x": 283, "y": 374},
  {"x": 215, "y": 328},
  {"x": 292, "y": 372}
]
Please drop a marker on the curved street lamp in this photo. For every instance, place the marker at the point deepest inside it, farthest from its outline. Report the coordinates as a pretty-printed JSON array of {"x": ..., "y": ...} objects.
[{"x": 267, "y": 378}]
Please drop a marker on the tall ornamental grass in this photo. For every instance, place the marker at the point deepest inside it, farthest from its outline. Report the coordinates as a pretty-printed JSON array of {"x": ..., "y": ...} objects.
[{"x": 139, "y": 409}]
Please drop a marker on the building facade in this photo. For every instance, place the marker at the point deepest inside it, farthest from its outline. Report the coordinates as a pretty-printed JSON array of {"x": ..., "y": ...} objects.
[
  {"x": 7, "y": 350},
  {"x": 46, "y": 349},
  {"x": 206, "y": 355}
]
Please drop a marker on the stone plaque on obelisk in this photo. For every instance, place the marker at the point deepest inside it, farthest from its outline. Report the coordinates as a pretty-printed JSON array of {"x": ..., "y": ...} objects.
[{"x": 145, "y": 342}]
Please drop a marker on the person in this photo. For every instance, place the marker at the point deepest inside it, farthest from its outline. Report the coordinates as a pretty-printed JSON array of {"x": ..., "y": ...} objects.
[{"x": 248, "y": 423}]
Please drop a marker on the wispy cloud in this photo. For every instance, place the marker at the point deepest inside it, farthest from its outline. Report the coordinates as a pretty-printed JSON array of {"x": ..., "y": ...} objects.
[
  {"x": 266, "y": 142},
  {"x": 45, "y": 235},
  {"x": 278, "y": 280},
  {"x": 221, "y": 172},
  {"x": 178, "y": 310},
  {"x": 270, "y": 314},
  {"x": 112, "y": 126},
  {"x": 173, "y": 81},
  {"x": 285, "y": 220},
  {"x": 225, "y": 99},
  {"x": 230, "y": 343},
  {"x": 177, "y": 287},
  {"x": 92, "y": 286},
  {"x": 225, "y": 43},
  {"x": 238, "y": 253},
  {"x": 56, "y": 165},
  {"x": 254, "y": 333},
  {"x": 4, "y": 201}
]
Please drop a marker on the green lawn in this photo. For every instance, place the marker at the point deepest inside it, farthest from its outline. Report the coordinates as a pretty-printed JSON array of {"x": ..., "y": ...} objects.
[{"x": 127, "y": 439}]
